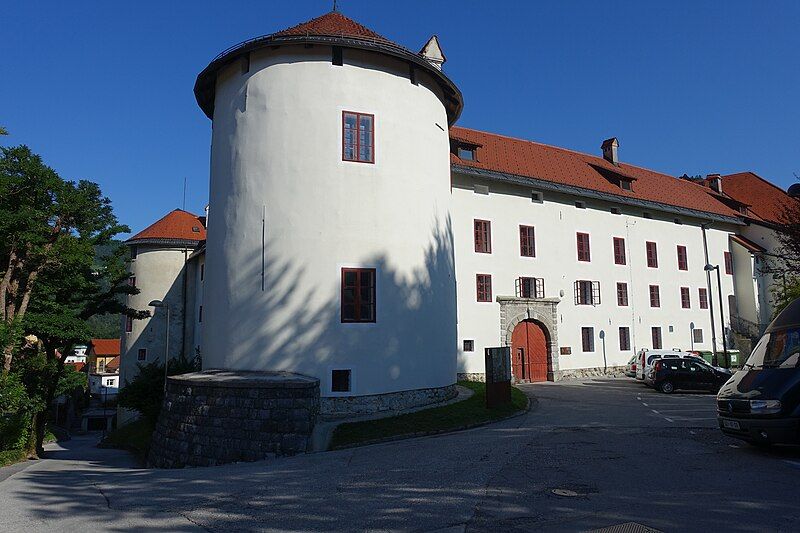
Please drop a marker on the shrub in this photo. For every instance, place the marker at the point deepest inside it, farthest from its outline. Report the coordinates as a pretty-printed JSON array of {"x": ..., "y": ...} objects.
[{"x": 145, "y": 393}]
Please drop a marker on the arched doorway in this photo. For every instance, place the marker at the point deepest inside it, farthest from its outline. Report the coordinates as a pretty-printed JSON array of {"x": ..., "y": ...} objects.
[{"x": 529, "y": 352}]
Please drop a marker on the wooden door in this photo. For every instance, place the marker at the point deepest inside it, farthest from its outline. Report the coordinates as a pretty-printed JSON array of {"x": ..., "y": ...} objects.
[{"x": 529, "y": 352}]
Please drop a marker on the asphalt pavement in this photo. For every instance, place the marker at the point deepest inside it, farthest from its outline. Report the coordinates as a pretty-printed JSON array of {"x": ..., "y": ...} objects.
[{"x": 590, "y": 454}]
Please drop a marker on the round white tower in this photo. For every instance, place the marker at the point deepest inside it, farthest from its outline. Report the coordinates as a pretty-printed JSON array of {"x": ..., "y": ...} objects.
[
  {"x": 157, "y": 266},
  {"x": 329, "y": 250}
]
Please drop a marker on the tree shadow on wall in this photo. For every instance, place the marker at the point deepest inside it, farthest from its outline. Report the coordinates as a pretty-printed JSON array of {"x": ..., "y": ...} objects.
[{"x": 411, "y": 345}]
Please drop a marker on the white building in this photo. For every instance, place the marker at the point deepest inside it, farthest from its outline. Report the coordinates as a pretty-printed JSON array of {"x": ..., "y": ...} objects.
[
  {"x": 78, "y": 354},
  {"x": 357, "y": 236}
]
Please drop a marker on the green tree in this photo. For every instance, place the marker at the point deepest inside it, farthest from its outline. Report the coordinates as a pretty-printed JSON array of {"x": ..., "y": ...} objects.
[
  {"x": 145, "y": 393},
  {"x": 3, "y": 131},
  {"x": 51, "y": 284}
]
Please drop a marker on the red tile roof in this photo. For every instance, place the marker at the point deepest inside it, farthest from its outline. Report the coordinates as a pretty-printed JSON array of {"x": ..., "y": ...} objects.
[
  {"x": 336, "y": 25},
  {"x": 558, "y": 165},
  {"x": 765, "y": 200},
  {"x": 105, "y": 347},
  {"x": 113, "y": 365},
  {"x": 748, "y": 244},
  {"x": 176, "y": 225}
]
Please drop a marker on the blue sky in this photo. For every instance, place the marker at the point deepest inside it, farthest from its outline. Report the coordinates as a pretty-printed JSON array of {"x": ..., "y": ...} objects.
[{"x": 103, "y": 90}]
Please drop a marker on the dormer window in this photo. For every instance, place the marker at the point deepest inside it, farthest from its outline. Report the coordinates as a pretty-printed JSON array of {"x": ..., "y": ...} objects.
[
  {"x": 464, "y": 149},
  {"x": 467, "y": 154},
  {"x": 626, "y": 185}
]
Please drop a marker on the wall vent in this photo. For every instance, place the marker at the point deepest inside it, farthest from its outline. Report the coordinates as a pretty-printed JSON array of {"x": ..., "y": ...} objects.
[{"x": 481, "y": 189}]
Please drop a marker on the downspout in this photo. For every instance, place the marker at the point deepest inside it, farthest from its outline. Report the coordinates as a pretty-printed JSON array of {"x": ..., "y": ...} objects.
[{"x": 709, "y": 298}]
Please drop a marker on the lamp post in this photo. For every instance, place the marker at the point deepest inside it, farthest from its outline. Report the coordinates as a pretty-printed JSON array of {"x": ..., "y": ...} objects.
[
  {"x": 160, "y": 304},
  {"x": 708, "y": 268}
]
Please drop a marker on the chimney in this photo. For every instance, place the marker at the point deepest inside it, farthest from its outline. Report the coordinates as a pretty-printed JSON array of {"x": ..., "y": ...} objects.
[
  {"x": 610, "y": 147},
  {"x": 715, "y": 182},
  {"x": 432, "y": 51}
]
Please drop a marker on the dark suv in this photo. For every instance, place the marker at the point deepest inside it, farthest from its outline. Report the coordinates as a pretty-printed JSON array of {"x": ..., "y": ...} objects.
[
  {"x": 671, "y": 373},
  {"x": 761, "y": 404}
]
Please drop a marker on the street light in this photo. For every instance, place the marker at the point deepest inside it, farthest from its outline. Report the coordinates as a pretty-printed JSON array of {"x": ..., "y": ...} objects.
[
  {"x": 708, "y": 268},
  {"x": 160, "y": 304}
]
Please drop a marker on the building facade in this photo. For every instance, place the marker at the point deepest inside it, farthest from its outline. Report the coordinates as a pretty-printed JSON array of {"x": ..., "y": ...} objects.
[{"x": 356, "y": 235}]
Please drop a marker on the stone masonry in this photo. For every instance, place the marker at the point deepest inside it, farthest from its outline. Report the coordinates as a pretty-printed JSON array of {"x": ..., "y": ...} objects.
[
  {"x": 218, "y": 416},
  {"x": 344, "y": 406}
]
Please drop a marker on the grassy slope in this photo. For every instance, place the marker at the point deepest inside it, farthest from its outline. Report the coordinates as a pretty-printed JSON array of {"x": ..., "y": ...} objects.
[{"x": 471, "y": 411}]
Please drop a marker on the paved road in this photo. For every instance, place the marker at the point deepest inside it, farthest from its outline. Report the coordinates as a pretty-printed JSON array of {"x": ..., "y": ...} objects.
[{"x": 623, "y": 452}]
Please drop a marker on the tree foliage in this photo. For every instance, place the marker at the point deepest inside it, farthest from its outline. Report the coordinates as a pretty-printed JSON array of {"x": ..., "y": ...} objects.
[
  {"x": 51, "y": 282},
  {"x": 145, "y": 393}
]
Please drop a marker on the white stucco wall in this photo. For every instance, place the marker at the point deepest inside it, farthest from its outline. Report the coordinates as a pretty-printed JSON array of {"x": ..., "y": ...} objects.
[
  {"x": 765, "y": 281},
  {"x": 277, "y": 146},
  {"x": 557, "y": 221}
]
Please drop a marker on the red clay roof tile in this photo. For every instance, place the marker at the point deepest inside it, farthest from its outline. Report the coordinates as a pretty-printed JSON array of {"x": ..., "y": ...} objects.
[
  {"x": 178, "y": 225},
  {"x": 765, "y": 200},
  {"x": 335, "y": 24},
  {"x": 558, "y": 165},
  {"x": 105, "y": 346}
]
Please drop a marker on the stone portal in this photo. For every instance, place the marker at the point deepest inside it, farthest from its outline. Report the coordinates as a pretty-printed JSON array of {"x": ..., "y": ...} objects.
[{"x": 538, "y": 311}]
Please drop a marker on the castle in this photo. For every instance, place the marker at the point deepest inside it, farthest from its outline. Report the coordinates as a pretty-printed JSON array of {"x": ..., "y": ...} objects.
[{"x": 357, "y": 235}]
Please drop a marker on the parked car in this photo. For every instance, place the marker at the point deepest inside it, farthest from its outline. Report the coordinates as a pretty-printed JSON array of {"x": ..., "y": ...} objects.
[
  {"x": 761, "y": 402},
  {"x": 630, "y": 368},
  {"x": 647, "y": 357},
  {"x": 670, "y": 373}
]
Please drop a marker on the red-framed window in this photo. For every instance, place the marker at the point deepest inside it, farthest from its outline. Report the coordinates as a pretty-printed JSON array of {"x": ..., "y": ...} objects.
[
  {"x": 128, "y": 324},
  {"x": 652, "y": 254},
  {"x": 655, "y": 296},
  {"x": 624, "y": 338},
  {"x": 527, "y": 241},
  {"x": 683, "y": 262},
  {"x": 141, "y": 355},
  {"x": 584, "y": 253},
  {"x": 587, "y": 292},
  {"x": 483, "y": 236},
  {"x": 358, "y": 295},
  {"x": 655, "y": 333},
  {"x": 728, "y": 263},
  {"x": 483, "y": 283},
  {"x": 358, "y": 137},
  {"x": 702, "y": 298},
  {"x": 530, "y": 287},
  {"x": 619, "y": 251},
  {"x": 686, "y": 302},
  {"x": 587, "y": 339},
  {"x": 622, "y": 294},
  {"x": 132, "y": 281}
]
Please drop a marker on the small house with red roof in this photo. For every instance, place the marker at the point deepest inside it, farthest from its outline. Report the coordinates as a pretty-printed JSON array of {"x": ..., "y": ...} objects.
[{"x": 360, "y": 236}]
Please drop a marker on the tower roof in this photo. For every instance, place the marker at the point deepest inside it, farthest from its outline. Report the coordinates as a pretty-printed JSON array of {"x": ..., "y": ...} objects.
[
  {"x": 332, "y": 29},
  {"x": 337, "y": 25},
  {"x": 176, "y": 227}
]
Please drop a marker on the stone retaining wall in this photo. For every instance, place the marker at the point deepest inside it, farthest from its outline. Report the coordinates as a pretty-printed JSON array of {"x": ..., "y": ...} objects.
[
  {"x": 582, "y": 373},
  {"x": 472, "y": 376},
  {"x": 215, "y": 417},
  {"x": 340, "y": 406}
]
